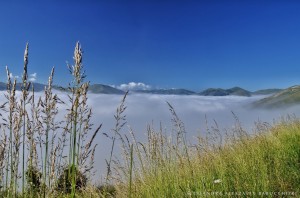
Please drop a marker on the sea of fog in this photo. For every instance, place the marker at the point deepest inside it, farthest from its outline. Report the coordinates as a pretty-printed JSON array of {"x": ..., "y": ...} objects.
[
  {"x": 194, "y": 111},
  {"x": 150, "y": 109}
]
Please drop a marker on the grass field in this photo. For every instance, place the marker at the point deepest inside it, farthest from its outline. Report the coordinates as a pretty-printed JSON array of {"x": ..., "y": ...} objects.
[{"x": 266, "y": 163}]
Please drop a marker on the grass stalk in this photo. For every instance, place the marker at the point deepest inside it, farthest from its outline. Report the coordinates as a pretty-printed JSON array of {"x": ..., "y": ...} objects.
[
  {"x": 77, "y": 89},
  {"x": 120, "y": 122},
  {"x": 49, "y": 111},
  {"x": 130, "y": 171},
  {"x": 24, "y": 95}
]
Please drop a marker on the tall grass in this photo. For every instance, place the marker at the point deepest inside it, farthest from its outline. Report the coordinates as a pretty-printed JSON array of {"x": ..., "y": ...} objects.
[
  {"x": 238, "y": 164},
  {"x": 25, "y": 88},
  {"x": 32, "y": 124},
  {"x": 79, "y": 118}
]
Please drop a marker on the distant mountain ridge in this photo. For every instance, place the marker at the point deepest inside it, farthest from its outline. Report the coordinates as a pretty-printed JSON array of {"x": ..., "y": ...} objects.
[
  {"x": 96, "y": 89},
  {"x": 235, "y": 91},
  {"x": 277, "y": 97},
  {"x": 37, "y": 86},
  {"x": 167, "y": 91},
  {"x": 106, "y": 89}
]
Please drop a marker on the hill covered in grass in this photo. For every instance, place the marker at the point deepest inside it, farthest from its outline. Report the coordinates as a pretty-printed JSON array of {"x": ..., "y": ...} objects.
[
  {"x": 266, "y": 91},
  {"x": 284, "y": 98}
]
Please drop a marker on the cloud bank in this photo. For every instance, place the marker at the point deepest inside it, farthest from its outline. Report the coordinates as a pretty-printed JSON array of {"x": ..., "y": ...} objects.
[
  {"x": 32, "y": 77},
  {"x": 147, "y": 109},
  {"x": 133, "y": 86}
]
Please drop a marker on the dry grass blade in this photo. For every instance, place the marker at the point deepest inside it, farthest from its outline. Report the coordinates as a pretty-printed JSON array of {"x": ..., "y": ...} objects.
[{"x": 120, "y": 122}]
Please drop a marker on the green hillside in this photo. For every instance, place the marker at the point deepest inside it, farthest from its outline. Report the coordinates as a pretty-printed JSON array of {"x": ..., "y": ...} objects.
[
  {"x": 266, "y": 91},
  {"x": 284, "y": 98}
]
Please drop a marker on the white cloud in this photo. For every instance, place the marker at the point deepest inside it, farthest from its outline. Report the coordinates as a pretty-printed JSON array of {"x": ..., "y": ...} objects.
[
  {"x": 32, "y": 77},
  {"x": 133, "y": 86},
  {"x": 12, "y": 76}
]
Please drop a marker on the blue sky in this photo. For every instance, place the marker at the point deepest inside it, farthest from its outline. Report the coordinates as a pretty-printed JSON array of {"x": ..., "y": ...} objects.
[{"x": 166, "y": 44}]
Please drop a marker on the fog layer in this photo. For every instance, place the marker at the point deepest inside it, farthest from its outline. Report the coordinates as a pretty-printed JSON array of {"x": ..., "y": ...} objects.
[{"x": 145, "y": 109}]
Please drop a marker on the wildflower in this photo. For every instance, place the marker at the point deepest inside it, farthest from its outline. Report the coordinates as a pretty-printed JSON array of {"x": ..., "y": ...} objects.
[{"x": 217, "y": 181}]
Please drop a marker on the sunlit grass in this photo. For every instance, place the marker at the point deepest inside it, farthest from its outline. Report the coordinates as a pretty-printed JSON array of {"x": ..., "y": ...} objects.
[{"x": 268, "y": 161}]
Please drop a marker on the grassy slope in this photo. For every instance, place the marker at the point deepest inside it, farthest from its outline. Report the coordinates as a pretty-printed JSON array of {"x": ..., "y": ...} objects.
[
  {"x": 266, "y": 91},
  {"x": 286, "y": 97},
  {"x": 267, "y": 162}
]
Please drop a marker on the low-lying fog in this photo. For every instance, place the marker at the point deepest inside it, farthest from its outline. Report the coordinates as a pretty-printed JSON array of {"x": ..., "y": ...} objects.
[{"x": 144, "y": 109}]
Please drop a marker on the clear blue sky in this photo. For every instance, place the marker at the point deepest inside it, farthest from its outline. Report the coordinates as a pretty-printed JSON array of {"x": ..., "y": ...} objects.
[{"x": 182, "y": 44}]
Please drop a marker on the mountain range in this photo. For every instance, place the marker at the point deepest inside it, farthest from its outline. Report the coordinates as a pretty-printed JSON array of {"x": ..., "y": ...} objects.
[
  {"x": 106, "y": 89},
  {"x": 37, "y": 86},
  {"x": 275, "y": 98},
  {"x": 235, "y": 91},
  {"x": 167, "y": 91}
]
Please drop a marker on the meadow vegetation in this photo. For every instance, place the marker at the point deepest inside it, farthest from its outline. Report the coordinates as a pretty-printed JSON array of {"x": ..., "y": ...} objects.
[
  {"x": 263, "y": 164},
  {"x": 41, "y": 156}
]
